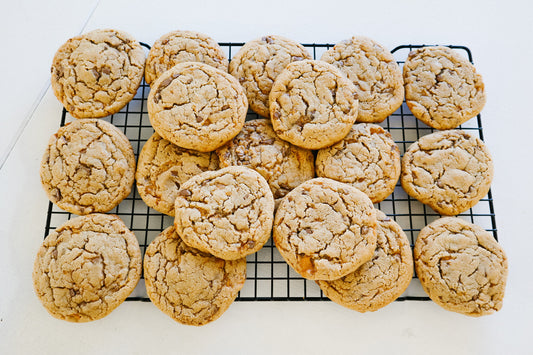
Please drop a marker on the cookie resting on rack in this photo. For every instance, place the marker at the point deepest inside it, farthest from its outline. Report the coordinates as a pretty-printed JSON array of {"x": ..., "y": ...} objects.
[
  {"x": 87, "y": 267},
  {"x": 325, "y": 229},
  {"x": 96, "y": 74},
  {"x": 190, "y": 286},
  {"x": 461, "y": 266}
]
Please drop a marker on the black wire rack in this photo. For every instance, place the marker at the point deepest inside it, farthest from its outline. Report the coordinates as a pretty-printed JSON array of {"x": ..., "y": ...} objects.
[{"x": 269, "y": 278}]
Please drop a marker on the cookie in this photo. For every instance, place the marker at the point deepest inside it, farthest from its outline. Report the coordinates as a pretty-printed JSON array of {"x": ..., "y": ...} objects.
[
  {"x": 381, "y": 280},
  {"x": 190, "y": 286},
  {"x": 442, "y": 89},
  {"x": 325, "y": 229},
  {"x": 283, "y": 165},
  {"x": 163, "y": 167},
  {"x": 367, "y": 158},
  {"x": 182, "y": 46},
  {"x": 257, "y": 64},
  {"x": 312, "y": 104},
  {"x": 227, "y": 213},
  {"x": 450, "y": 171},
  {"x": 87, "y": 267},
  {"x": 376, "y": 75},
  {"x": 98, "y": 73},
  {"x": 196, "y": 106},
  {"x": 461, "y": 267},
  {"x": 88, "y": 166}
]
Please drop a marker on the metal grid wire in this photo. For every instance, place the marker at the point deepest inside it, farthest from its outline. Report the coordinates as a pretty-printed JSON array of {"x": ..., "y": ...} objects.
[{"x": 269, "y": 278}]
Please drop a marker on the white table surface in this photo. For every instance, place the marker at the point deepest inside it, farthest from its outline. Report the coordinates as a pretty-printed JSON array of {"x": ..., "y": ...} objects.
[{"x": 499, "y": 35}]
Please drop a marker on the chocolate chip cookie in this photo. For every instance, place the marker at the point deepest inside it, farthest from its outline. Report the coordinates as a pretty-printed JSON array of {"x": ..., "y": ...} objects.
[
  {"x": 87, "y": 267},
  {"x": 325, "y": 229},
  {"x": 196, "y": 106},
  {"x": 190, "y": 286},
  {"x": 376, "y": 75},
  {"x": 282, "y": 164},
  {"x": 450, "y": 171},
  {"x": 257, "y": 64},
  {"x": 312, "y": 104},
  {"x": 98, "y": 73},
  {"x": 442, "y": 89},
  {"x": 88, "y": 166},
  {"x": 461, "y": 267},
  {"x": 179, "y": 47},
  {"x": 163, "y": 167},
  {"x": 227, "y": 213},
  {"x": 367, "y": 158},
  {"x": 381, "y": 280}
]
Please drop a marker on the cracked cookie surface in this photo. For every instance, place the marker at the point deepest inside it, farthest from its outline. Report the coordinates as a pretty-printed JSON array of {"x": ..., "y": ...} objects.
[
  {"x": 381, "y": 280},
  {"x": 163, "y": 167},
  {"x": 450, "y": 171},
  {"x": 87, "y": 267},
  {"x": 227, "y": 213},
  {"x": 190, "y": 286},
  {"x": 376, "y": 75},
  {"x": 442, "y": 89},
  {"x": 461, "y": 266},
  {"x": 88, "y": 166},
  {"x": 367, "y": 158},
  {"x": 325, "y": 229},
  {"x": 179, "y": 47},
  {"x": 283, "y": 165},
  {"x": 196, "y": 106},
  {"x": 312, "y": 104},
  {"x": 258, "y": 63},
  {"x": 98, "y": 73}
]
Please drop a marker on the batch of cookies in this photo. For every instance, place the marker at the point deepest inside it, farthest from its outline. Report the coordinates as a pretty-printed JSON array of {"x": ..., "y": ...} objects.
[{"x": 230, "y": 184}]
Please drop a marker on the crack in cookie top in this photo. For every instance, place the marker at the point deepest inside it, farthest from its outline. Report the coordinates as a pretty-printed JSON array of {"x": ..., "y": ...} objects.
[
  {"x": 196, "y": 106},
  {"x": 442, "y": 89},
  {"x": 325, "y": 229},
  {"x": 192, "y": 287},
  {"x": 88, "y": 166},
  {"x": 461, "y": 266},
  {"x": 376, "y": 75},
  {"x": 163, "y": 167},
  {"x": 98, "y": 73},
  {"x": 312, "y": 104},
  {"x": 227, "y": 213},
  {"x": 450, "y": 171},
  {"x": 366, "y": 158},
  {"x": 258, "y": 63},
  {"x": 282, "y": 164},
  {"x": 381, "y": 280},
  {"x": 87, "y": 267},
  {"x": 183, "y": 46}
]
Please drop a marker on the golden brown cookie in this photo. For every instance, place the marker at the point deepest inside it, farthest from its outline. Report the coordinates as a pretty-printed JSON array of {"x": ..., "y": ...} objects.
[
  {"x": 87, "y": 267},
  {"x": 88, "y": 166},
  {"x": 182, "y": 46},
  {"x": 190, "y": 286},
  {"x": 450, "y": 171},
  {"x": 227, "y": 213},
  {"x": 381, "y": 280},
  {"x": 283, "y": 165},
  {"x": 163, "y": 167},
  {"x": 442, "y": 89},
  {"x": 257, "y": 64},
  {"x": 325, "y": 229},
  {"x": 312, "y": 104},
  {"x": 367, "y": 158},
  {"x": 196, "y": 106},
  {"x": 98, "y": 73},
  {"x": 461, "y": 267},
  {"x": 376, "y": 75}
]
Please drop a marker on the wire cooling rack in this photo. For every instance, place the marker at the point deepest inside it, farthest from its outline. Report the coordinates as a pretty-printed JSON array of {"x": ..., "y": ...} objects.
[{"x": 269, "y": 278}]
